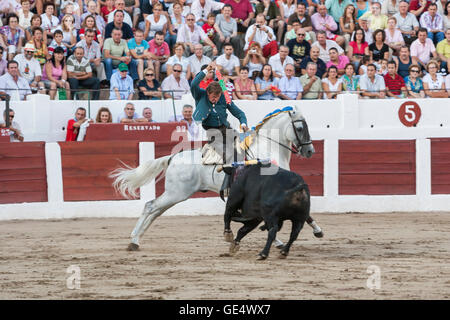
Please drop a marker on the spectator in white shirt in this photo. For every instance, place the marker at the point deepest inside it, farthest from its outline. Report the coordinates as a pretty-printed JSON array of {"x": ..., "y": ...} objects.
[
  {"x": 175, "y": 84},
  {"x": 129, "y": 115},
  {"x": 201, "y": 9},
  {"x": 290, "y": 86},
  {"x": 14, "y": 85},
  {"x": 178, "y": 58},
  {"x": 49, "y": 21},
  {"x": 280, "y": 61},
  {"x": 198, "y": 59},
  {"x": 325, "y": 45},
  {"x": 191, "y": 34},
  {"x": 194, "y": 130},
  {"x": 228, "y": 63},
  {"x": 155, "y": 22},
  {"x": 120, "y": 5},
  {"x": 433, "y": 82},
  {"x": 372, "y": 85},
  {"x": 25, "y": 14},
  {"x": 262, "y": 34},
  {"x": 29, "y": 68}
]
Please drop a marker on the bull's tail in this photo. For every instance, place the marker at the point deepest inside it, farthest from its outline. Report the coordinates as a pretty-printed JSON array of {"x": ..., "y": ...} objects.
[{"x": 127, "y": 180}]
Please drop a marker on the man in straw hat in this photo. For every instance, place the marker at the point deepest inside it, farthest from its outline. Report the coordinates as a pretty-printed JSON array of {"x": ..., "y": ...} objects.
[{"x": 30, "y": 69}]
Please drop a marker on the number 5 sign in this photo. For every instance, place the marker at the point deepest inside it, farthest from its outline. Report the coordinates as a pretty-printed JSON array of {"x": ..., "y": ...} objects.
[{"x": 409, "y": 113}]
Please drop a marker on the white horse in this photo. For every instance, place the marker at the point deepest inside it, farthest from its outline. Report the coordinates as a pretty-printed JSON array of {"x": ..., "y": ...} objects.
[{"x": 186, "y": 175}]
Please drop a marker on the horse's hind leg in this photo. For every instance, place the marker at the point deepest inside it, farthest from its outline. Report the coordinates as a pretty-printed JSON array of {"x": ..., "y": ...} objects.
[
  {"x": 317, "y": 231},
  {"x": 152, "y": 210}
]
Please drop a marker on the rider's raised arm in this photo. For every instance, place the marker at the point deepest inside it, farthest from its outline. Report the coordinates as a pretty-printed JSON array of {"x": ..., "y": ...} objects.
[{"x": 195, "y": 85}]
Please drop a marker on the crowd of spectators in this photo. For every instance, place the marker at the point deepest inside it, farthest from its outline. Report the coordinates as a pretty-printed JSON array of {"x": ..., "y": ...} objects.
[{"x": 283, "y": 49}]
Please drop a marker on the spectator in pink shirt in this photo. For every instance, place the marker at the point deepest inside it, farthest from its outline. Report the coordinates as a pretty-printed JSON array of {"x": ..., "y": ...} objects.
[
  {"x": 321, "y": 20},
  {"x": 394, "y": 37},
  {"x": 159, "y": 52},
  {"x": 422, "y": 48},
  {"x": 339, "y": 61},
  {"x": 243, "y": 13}
]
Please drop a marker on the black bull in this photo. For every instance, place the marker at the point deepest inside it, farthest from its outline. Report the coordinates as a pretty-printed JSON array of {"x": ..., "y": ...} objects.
[{"x": 272, "y": 198}]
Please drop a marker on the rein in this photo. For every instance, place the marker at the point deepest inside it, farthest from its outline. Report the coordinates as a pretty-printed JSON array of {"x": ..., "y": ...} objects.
[{"x": 293, "y": 150}]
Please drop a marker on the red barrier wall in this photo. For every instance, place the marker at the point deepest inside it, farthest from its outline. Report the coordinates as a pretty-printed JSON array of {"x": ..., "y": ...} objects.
[
  {"x": 311, "y": 169},
  {"x": 23, "y": 175},
  {"x": 377, "y": 167},
  {"x": 155, "y": 131},
  {"x": 440, "y": 166},
  {"x": 86, "y": 166}
]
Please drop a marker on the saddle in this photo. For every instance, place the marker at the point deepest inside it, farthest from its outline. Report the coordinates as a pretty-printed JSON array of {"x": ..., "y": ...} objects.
[{"x": 211, "y": 157}]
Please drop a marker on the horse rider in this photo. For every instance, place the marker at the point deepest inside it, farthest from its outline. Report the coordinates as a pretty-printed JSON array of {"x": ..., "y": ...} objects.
[{"x": 211, "y": 110}]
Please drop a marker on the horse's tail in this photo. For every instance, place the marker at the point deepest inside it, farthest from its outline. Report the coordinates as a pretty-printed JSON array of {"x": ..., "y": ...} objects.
[{"x": 128, "y": 179}]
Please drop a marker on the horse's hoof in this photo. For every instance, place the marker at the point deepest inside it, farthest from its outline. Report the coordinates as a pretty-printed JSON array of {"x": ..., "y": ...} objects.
[
  {"x": 282, "y": 255},
  {"x": 261, "y": 257},
  {"x": 234, "y": 247},
  {"x": 280, "y": 245},
  {"x": 228, "y": 235},
  {"x": 133, "y": 247},
  {"x": 318, "y": 234}
]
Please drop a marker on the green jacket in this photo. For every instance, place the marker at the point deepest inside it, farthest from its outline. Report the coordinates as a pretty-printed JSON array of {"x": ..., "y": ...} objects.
[{"x": 209, "y": 115}]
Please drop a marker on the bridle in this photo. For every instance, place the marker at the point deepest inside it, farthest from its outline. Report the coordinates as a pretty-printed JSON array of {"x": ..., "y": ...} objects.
[{"x": 300, "y": 144}]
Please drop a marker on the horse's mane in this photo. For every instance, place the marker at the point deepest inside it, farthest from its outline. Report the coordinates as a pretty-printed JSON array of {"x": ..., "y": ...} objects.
[{"x": 271, "y": 115}]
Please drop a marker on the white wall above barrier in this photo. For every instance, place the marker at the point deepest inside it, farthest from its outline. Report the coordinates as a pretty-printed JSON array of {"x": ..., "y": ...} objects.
[{"x": 347, "y": 117}]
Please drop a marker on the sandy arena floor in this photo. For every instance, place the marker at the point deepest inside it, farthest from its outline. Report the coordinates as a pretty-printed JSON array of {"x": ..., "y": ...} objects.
[{"x": 182, "y": 258}]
